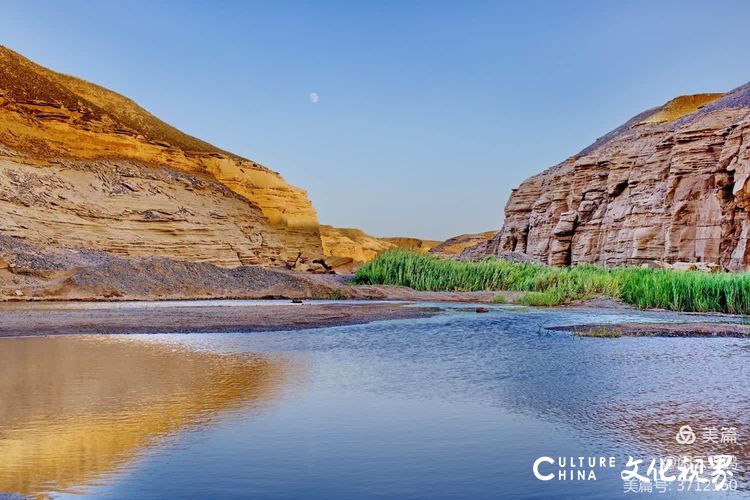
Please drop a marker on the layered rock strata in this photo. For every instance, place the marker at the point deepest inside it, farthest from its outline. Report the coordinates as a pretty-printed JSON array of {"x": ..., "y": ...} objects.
[
  {"x": 347, "y": 248},
  {"x": 82, "y": 166},
  {"x": 669, "y": 185},
  {"x": 457, "y": 244}
]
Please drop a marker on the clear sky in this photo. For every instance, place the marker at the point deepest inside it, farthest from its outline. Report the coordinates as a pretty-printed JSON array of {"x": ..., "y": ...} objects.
[{"x": 429, "y": 113}]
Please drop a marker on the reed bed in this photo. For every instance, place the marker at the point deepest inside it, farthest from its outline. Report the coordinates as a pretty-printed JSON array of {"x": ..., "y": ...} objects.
[{"x": 550, "y": 286}]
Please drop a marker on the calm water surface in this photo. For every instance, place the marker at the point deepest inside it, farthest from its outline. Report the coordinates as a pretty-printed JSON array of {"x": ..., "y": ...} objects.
[{"x": 454, "y": 406}]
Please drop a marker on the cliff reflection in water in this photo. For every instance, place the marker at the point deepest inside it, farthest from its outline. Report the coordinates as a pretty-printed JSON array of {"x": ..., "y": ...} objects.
[{"x": 73, "y": 409}]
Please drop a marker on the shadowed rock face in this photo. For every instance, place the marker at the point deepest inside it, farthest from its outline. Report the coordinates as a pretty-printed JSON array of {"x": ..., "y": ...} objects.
[
  {"x": 669, "y": 185},
  {"x": 83, "y": 166}
]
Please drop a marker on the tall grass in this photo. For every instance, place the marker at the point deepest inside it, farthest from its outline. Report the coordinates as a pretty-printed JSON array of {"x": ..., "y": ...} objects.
[{"x": 549, "y": 286}]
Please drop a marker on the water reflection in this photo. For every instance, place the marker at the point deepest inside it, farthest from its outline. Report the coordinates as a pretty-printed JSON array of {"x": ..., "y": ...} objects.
[
  {"x": 74, "y": 409},
  {"x": 454, "y": 406}
]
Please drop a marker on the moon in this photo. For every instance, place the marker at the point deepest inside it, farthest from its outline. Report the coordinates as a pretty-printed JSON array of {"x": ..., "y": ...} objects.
[{"x": 314, "y": 97}]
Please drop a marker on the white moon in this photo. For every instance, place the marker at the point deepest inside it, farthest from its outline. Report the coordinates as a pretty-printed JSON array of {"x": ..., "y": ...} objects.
[{"x": 314, "y": 97}]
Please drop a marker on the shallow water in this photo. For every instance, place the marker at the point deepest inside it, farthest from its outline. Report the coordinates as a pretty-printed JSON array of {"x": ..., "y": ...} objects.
[{"x": 455, "y": 406}]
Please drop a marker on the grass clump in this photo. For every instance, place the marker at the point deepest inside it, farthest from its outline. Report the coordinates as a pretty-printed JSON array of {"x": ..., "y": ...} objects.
[
  {"x": 550, "y": 286},
  {"x": 336, "y": 295},
  {"x": 540, "y": 299},
  {"x": 601, "y": 332},
  {"x": 500, "y": 299}
]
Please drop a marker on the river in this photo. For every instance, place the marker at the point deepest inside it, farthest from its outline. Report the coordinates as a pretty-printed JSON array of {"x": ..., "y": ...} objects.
[{"x": 459, "y": 405}]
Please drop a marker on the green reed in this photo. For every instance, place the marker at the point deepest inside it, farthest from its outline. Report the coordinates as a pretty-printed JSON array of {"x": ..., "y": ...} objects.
[{"x": 550, "y": 286}]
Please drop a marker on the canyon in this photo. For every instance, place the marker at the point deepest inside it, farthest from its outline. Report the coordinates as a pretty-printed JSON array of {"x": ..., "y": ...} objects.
[
  {"x": 82, "y": 166},
  {"x": 100, "y": 198}
]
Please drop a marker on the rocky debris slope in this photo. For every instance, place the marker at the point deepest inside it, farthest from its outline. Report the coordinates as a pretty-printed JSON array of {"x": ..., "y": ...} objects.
[
  {"x": 30, "y": 271},
  {"x": 83, "y": 166},
  {"x": 669, "y": 185}
]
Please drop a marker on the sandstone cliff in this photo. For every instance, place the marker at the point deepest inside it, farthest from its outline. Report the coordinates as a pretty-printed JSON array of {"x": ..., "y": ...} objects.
[
  {"x": 668, "y": 185},
  {"x": 412, "y": 244},
  {"x": 81, "y": 166},
  {"x": 346, "y": 249},
  {"x": 457, "y": 244}
]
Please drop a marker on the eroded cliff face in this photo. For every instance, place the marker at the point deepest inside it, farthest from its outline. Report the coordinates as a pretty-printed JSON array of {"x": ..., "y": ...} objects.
[
  {"x": 83, "y": 166},
  {"x": 352, "y": 243},
  {"x": 457, "y": 244},
  {"x": 346, "y": 249},
  {"x": 669, "y": 185}
]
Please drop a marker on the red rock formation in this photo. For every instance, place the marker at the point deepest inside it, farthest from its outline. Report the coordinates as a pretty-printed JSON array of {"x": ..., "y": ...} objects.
[{"x": 668, "y": 185}]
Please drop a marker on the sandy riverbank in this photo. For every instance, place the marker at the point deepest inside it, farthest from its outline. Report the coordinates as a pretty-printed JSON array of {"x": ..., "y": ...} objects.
[{"x": 60, "y": 318}]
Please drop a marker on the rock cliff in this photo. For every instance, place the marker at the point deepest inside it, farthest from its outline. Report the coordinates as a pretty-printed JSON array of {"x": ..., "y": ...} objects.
[
  {"x": 457, "y": 244},
  {"x": 669, "y": 185},
  {"x": 346, "y": 249},
  {"x": 412, "y": 244},
  {"x": 82, "y": 166}
]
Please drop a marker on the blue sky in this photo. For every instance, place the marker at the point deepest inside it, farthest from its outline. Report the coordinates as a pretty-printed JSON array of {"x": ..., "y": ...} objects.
[{"x": 429, "y": 112}]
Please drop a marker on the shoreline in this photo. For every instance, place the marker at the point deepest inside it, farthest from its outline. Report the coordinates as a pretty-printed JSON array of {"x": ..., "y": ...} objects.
[
  {"x": 363, "y": 293},
  {"x": 35, "y": 318},
  {"x": 641, "y": 329},
  {"x": 25, "y": 322}
]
